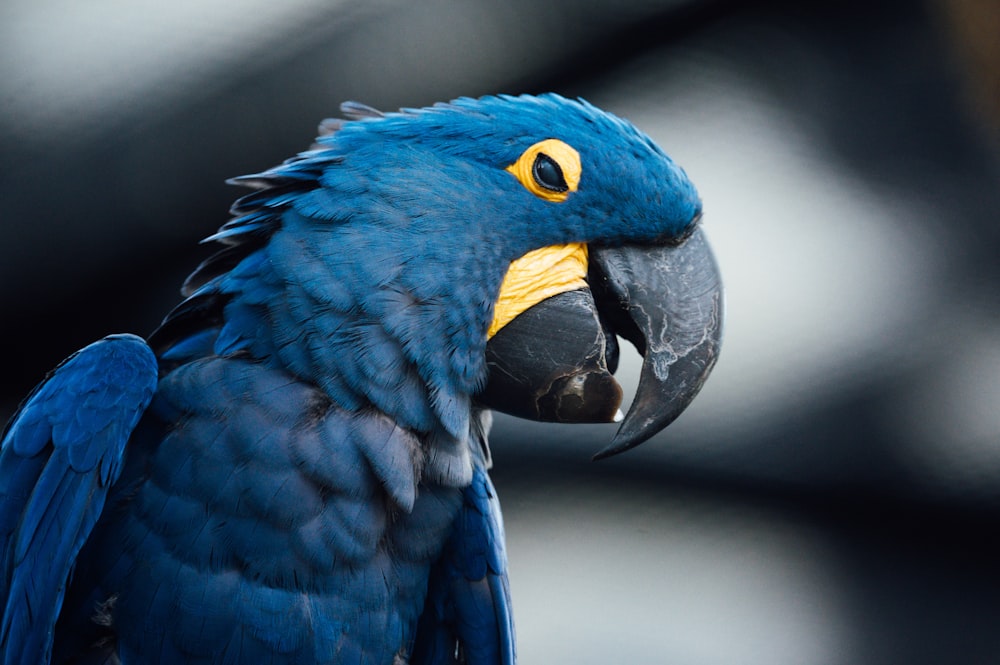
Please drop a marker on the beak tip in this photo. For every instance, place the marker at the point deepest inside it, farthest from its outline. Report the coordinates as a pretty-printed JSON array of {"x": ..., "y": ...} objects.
[
  {"x": 621, "y": 442},
  {"x": 603, "y": 453},
  {"x": 611, "y": 451}
]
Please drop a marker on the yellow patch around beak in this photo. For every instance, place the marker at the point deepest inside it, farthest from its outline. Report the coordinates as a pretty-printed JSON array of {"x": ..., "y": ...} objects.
[{"x": 538, "y": 275}]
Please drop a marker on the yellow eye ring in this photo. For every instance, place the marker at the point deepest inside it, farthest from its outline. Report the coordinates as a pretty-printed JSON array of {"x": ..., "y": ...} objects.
[{"x": 549, "y": 169}]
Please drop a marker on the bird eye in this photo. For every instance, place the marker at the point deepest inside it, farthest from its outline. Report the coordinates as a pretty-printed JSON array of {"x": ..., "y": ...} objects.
[
  {"x": 549, "y": 169},
  {"x": 548, "y": 174}
]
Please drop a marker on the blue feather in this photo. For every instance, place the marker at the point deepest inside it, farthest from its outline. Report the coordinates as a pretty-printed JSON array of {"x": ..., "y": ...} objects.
[
  {"x": 308, "y": 483},
  {"x": 469, "y": 609},
  {"x": 84, "y": 413}
]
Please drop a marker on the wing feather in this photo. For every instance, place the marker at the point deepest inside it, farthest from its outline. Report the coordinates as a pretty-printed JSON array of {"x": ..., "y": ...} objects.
[
  {"x": 467, "y": 616},
  {"x": 60, "y": 454}
]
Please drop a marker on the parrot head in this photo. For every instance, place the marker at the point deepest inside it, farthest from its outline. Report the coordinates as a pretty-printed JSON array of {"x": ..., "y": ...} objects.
[{"x": 485, "y": 251}]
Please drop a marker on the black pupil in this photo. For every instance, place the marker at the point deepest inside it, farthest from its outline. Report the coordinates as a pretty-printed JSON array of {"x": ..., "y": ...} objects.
[{"x": 548, "y": 174}]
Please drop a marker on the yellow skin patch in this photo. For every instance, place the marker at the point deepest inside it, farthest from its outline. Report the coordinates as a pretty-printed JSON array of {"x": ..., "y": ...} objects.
[
  {"x": 538, "y": 275},
  {"x": 562, "y": 154},
  {"x": 548, "y": 271}
]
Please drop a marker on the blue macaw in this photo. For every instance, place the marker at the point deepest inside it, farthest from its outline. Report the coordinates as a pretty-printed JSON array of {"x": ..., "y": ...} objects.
[{"x": 294, "y": 468}]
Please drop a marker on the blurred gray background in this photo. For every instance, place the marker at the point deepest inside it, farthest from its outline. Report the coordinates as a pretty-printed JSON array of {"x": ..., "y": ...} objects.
[{"x": 831, "y": 496}]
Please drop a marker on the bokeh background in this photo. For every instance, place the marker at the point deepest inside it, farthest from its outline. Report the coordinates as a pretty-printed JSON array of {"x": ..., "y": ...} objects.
[{"x": 830, "y": 498}]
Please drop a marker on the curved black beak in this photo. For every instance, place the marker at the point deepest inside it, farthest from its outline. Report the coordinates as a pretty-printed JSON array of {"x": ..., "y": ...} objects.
[
  {"x": 668, "y": 302},
  {"x": 554, "y": 361}
]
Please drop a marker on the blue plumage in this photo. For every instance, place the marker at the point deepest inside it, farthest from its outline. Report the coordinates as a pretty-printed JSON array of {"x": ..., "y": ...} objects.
[
  {"x": 308, "y": 483},
  {"x": 469, "y": 593},
  {"x": 61, "y": 453}
]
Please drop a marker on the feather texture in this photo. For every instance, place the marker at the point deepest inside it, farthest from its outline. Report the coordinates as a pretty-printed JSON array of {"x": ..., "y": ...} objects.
[
  {"x": 61, "y": 453},
  {"x": 308, "y": 484}
]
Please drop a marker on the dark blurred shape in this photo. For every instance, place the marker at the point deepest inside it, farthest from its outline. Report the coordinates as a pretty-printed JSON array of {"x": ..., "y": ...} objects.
[{"x": 973, "y": 28}]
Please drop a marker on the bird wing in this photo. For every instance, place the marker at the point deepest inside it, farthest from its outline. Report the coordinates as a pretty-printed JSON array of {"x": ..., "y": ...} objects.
[
  {"x": 60, "y": 454},
  {"x": 467, "y": 616}
]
